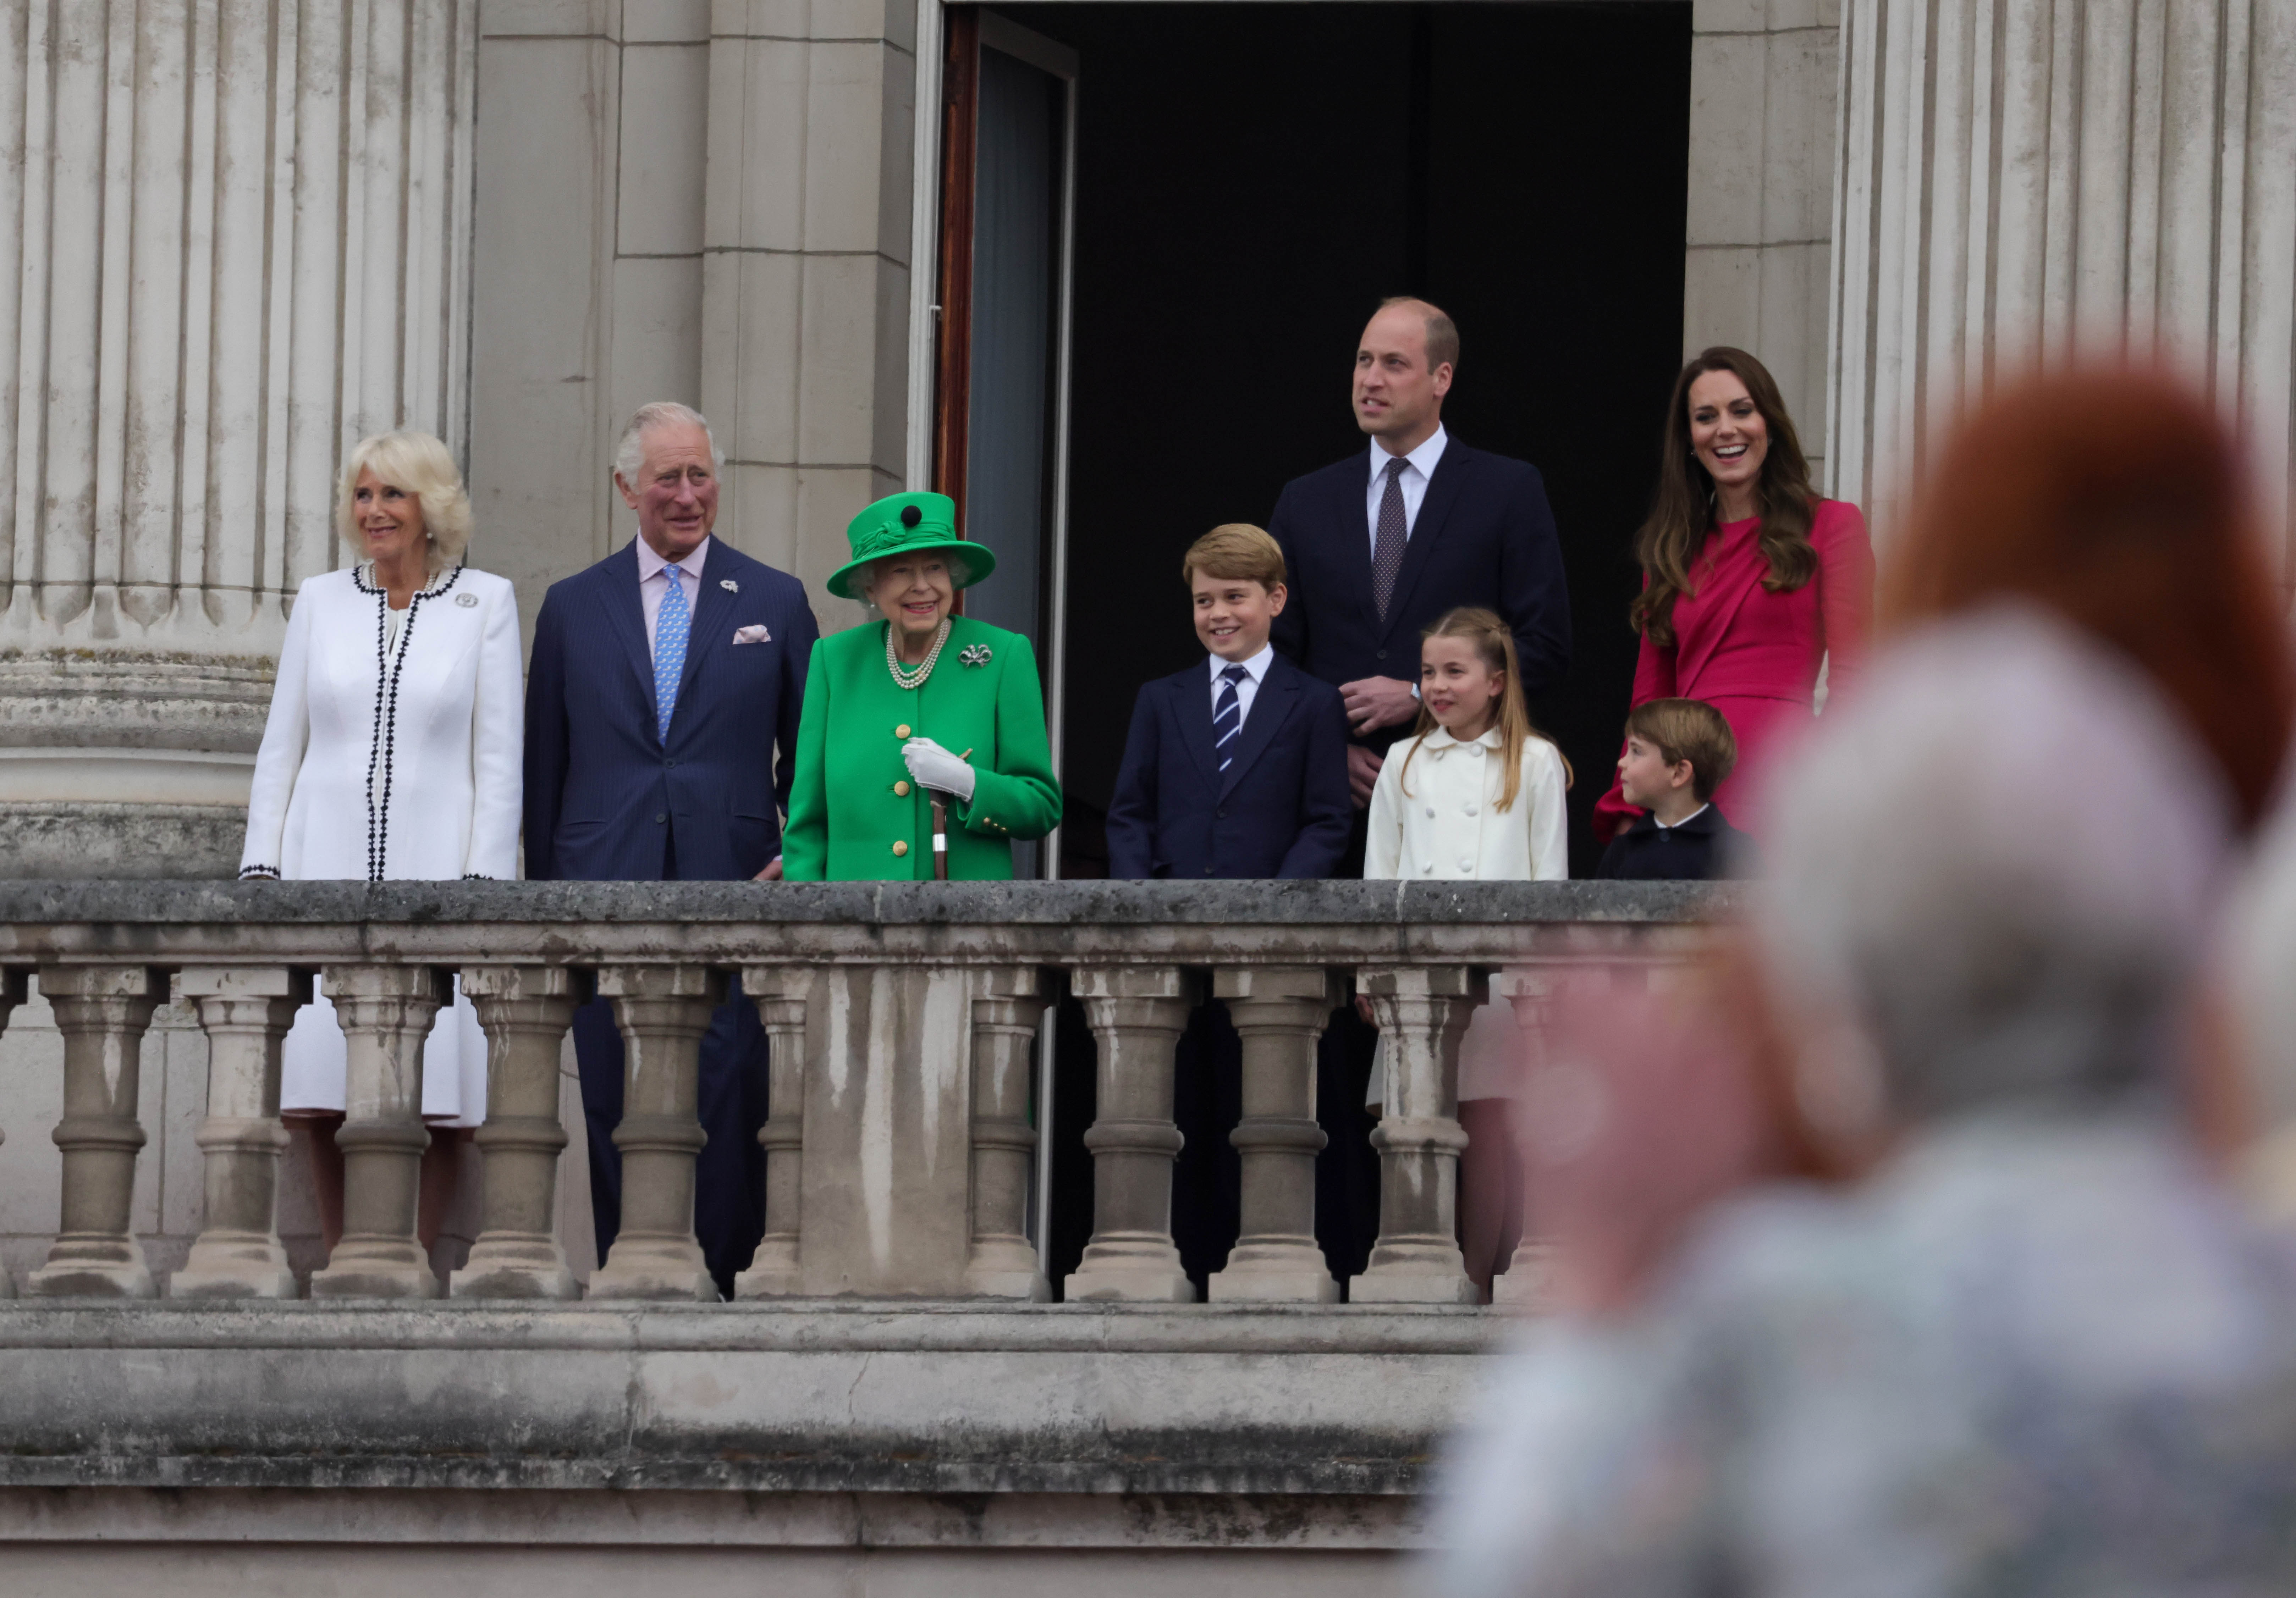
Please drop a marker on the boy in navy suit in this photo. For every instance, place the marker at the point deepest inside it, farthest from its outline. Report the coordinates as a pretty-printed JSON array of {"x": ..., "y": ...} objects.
[
  {"x": 1236, "y": 767},
  {"x": 1678, "y": 751}
]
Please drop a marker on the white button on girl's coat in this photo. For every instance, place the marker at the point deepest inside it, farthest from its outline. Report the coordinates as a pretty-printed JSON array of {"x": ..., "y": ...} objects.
[
  {"x": 1467, "y": 862},
  {"x": 1470, "y": 810},
  {"x": 1431, "y": 813},
  {"x": 1428, "y": 869}
]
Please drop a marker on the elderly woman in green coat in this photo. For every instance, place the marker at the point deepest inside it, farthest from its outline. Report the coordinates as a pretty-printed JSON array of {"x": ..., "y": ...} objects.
[{"x": 919, "y": 704}]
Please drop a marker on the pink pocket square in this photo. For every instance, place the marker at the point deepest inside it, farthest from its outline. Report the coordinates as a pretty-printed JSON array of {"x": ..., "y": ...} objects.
[{"x": 754, "y": 633}]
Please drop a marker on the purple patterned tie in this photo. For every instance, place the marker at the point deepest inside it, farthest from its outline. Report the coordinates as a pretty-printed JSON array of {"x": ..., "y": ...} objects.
[{"x": 1387, "y": 548}]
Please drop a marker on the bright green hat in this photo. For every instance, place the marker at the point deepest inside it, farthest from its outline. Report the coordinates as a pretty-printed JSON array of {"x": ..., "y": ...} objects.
[{"x": 902, "y": 524}]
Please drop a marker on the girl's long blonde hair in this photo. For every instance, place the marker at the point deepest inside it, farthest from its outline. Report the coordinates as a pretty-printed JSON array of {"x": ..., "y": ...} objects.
[{"x": 1494, "y": 643}]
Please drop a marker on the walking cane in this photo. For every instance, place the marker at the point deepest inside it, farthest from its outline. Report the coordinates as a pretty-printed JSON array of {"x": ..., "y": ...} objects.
[{"x": 941, "y": 828}]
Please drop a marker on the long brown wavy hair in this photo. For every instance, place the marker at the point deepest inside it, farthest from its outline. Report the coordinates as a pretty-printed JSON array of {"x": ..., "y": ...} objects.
[
  {"x": 1682, "y": 511},
  {"x": 2114, "y": 499}
]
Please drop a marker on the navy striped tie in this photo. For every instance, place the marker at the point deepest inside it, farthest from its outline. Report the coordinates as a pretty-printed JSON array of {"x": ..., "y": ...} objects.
[{"x": 1227, "y": 716}]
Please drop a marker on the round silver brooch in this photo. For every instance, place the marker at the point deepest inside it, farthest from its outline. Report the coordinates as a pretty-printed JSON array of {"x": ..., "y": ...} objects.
[{"x": 467, "y": 600}]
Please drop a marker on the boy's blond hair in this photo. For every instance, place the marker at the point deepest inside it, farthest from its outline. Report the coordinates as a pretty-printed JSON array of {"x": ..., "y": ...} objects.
[
  {"x": 1235, "y": 552},
  {"x": 1692, "y": 729}
]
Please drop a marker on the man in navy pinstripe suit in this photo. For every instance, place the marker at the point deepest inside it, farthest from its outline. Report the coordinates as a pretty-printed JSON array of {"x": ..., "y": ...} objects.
[{"x": 663, "y": 680}]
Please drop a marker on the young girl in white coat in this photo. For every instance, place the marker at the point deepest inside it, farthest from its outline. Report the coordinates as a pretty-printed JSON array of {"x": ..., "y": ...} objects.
[{"x": 1476, "y": 793}]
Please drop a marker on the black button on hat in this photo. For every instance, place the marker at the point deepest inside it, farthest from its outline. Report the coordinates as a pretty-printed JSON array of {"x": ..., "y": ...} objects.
[{"x": 911, "y": 515}]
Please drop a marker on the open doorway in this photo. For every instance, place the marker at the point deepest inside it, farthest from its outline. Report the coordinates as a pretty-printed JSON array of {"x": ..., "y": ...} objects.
[{"x": 1249, "y": 180}]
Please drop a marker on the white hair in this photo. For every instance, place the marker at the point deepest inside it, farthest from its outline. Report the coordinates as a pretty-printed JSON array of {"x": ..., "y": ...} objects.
[
  {"x": 1999, "y": 863},
  {"x": 629, "y": 450}
]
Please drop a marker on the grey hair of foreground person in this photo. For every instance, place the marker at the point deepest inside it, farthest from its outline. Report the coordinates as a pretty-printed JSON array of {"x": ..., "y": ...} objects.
[
  {"x": 1992, "y": 878},
  {"x": 630, "y": 449}
]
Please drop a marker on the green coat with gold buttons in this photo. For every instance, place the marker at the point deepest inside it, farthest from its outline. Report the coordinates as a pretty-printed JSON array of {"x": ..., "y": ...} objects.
[{"x": 855, "y": 816}]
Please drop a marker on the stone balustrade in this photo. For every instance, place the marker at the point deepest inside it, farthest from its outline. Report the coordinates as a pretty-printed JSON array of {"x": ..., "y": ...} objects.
[{"x": 903, "y": 1023}]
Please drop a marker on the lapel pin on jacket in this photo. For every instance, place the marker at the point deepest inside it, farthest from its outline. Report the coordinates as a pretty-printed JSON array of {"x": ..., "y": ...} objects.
[
  {"x": 729, "y": 585},
  {"x": 469, "y": 602},
  {"x": 978, "y": 654}
]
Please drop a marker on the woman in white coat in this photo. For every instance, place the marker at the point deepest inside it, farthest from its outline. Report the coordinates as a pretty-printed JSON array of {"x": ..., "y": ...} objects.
[
  {"x": 1476, "y": 794},
  {"x": 393, "y": 751}
]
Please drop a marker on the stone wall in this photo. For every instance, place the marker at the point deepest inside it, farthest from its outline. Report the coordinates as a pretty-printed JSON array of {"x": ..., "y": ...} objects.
[{"x": 1762, "y": 128}]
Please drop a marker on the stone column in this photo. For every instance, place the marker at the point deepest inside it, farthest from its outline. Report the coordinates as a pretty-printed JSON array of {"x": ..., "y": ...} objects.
[
  {"x": 102, "y": 1011},
  {"x": 245, "y": 1012},
  {"x": 1280, "y": 1013},
  {"x": 236, "y": 241},
  {"x": 15, "y": 985},
  {"x": 2025, "y": 181},
  {"x": 386, "y": 1012},
  {"x": 663, "y": 1011},
  {"x": 1422, "y": 1011},
  {"x": 779, "y": 993},
  {"x": 1005, "y": 1263},
  {"x": 1137, "y": 1014},
  {"x": 525, "y": 1011}
]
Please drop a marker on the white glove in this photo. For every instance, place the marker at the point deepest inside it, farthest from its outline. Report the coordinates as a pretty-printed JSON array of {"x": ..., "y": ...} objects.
[{"x": 934, "y": 767}]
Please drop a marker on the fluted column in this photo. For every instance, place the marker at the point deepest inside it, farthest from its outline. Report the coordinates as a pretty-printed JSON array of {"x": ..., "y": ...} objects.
[
  {"x": 1137, "y": 1014},
  {"x": 385, "y": 1012},
  {"x": 2027, "y": 181},
  {"x": 1280, "y": 1013},
  {"x": 663, "y": 1011},
  {"x": 245, "y": 1012},
  {"x": 15, "y": 985},
  {"x": 525, "y": 1011},
  {"x": 1422, "y": 1011},
  {"x": 779, "y": 993},
  {"x": 233, "y": 237},
  {"x": 102, "y": 1011},
  {"x": 1004, "y": 1263}
]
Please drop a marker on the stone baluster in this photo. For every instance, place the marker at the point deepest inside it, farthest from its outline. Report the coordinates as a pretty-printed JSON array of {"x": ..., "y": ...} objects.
[
  {"x": 1003, "y": 1263},
  {"x": 1423, "y": 1011},
  {"x": 15, "y": 986},
  {"x": 663, "y": 1011},
  {"x": 525, "y": 1011},
  {"x": 385, "y": 1012},
  {"x": 1137, "y": 1014},
  {"x": 102, "y": 1011},
  {"x": 245, "y": 1012},
  {"x": 1280, "y": 1013},
  {"x": 779, "y": 993},
  {"x": 1534, "y": 992}
]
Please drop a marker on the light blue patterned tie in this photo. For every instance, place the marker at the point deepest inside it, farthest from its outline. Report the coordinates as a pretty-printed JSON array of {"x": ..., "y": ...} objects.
[
  {"x": 669, "y": 629},
  {"x": 1227, "y": 714}
]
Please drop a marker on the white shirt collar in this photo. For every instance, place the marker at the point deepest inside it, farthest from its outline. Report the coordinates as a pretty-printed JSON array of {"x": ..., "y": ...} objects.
[
  {"x": 1424, "y": 458},
  {"x": 1492, "y": 737},
  {"x": 650, "y": 560},
  {"x": 1685, "y": 822},
  {"x": 1257, "y": 666}
]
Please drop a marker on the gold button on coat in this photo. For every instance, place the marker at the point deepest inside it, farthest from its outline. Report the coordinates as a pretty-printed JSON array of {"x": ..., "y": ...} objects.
[
  {"x": 901, "y": 790},
  {"x": 900, "y": 848},
  {"x": 902, "y": 731}
]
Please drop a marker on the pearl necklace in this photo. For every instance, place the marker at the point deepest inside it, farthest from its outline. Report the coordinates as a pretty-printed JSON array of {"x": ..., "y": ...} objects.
[{"x": 914, "y": 678}]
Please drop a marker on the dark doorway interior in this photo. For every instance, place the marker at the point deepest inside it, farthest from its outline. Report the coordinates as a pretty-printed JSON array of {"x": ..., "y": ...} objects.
[{"x": 1251, "y": 181}]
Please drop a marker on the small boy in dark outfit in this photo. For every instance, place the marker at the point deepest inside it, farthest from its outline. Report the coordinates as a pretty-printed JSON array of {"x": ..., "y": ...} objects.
[{"x": 1678, "y": 750}]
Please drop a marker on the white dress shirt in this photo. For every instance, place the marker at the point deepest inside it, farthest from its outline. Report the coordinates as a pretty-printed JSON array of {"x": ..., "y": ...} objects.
[
  {"x": 653, "y": 586},
  {"x": 1246, "y": 691},
  {"x": 1415, "y": 479}
]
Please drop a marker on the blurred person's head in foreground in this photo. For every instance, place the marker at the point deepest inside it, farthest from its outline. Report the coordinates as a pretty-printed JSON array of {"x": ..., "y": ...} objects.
[
  {"x": 1995, "y": 876},
  {"x": 2114, "y": 499}
]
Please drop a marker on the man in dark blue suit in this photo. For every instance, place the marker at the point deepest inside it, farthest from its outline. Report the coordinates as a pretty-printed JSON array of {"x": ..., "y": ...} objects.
[
  {"x": 1381, "y": 544},
  {"x": 662, "y": 681},
  {"x": 1236, "y": 767},
  {"x": 1378, "y": 547}
]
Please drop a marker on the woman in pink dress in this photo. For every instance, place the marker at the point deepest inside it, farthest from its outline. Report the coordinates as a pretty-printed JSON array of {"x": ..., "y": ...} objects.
[{"x": 1751, "y": 582}]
